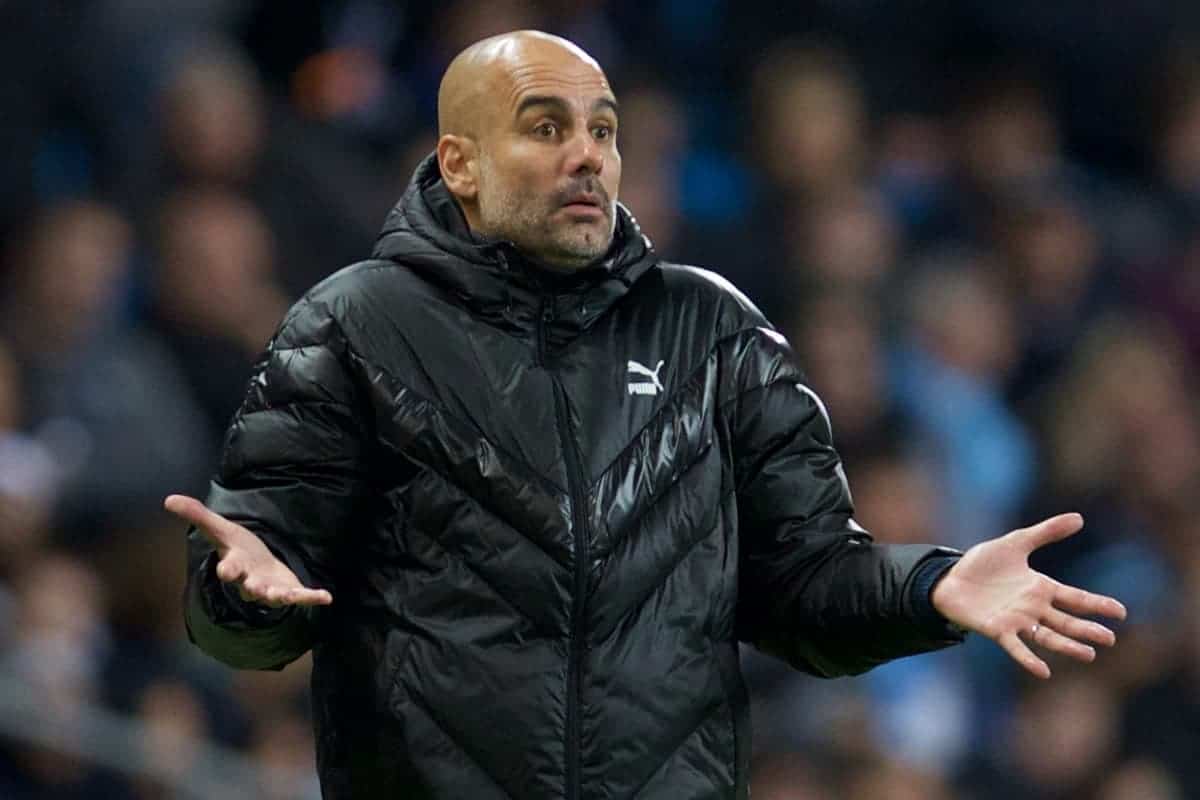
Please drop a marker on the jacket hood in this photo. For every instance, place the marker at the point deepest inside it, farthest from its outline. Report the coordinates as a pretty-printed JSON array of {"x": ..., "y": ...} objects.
[{"x": 427, "y": 232}]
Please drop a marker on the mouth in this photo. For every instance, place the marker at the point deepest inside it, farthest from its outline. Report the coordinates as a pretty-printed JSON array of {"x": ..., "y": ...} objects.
[{"x": 584, "y": 204}]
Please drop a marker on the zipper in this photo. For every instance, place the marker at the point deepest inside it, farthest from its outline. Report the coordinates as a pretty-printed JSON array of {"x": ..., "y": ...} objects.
[
  {"x": 545, "y": 315},
  {"x": 576, "y": 647}
]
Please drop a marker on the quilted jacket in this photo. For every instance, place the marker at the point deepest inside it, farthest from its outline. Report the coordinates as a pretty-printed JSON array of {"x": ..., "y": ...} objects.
[{"x": 548, "y": 509}]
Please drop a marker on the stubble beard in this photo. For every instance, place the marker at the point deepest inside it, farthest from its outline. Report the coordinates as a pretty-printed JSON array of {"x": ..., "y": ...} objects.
[{"x": 524, "y": 219}]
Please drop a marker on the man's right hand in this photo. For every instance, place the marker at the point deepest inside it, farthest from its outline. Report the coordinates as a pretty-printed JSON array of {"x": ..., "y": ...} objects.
[{"x": 245, "y": 560}]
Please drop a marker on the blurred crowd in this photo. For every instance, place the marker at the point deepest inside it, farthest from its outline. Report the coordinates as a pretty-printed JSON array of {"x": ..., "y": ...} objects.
[{"x": 976, "y": 221}]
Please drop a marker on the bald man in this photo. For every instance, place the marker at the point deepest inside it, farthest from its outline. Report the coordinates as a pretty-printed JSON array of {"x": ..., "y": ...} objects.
[{"x": 521, "y": 487}]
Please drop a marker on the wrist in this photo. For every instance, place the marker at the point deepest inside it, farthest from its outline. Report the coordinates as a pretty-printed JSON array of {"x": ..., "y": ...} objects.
[
  {"x": 930, "y": 590},
  {"x": 940, "y": 592}
]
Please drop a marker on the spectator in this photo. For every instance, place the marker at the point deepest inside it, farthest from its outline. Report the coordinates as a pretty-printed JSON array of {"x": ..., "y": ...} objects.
[
  {"x": 108, "y": 402},
  {"x": 216, "y": 298},
  {"x": 949, "y": 378},
  {"x": 58, "y": 641},
  {"x": 29, "y": 475},
  {"x": 841, "y": 338},
  {"x": 1140, "y": 780},
  {"x": 1056, "y": 277},
  {"x": 1059, "y": 745},
  {"x": 1163, "y": 718},
  {"x": 219, "y": 128},
  {"x": 809, "y": 120}
]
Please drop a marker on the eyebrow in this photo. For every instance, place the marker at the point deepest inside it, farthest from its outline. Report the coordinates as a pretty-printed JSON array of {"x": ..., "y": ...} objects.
[{"x": 559, "y": 104}]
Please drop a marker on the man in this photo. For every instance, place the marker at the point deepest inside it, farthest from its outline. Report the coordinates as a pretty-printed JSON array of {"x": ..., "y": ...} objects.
[{"x": 522, "y": 488}]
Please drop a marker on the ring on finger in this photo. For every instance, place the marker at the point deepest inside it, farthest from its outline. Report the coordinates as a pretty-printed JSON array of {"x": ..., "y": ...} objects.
[{"x": 1034, "y": 631}]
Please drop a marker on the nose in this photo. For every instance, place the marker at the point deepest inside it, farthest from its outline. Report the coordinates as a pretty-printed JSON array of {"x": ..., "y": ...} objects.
[{"x": 585, "y": 155}]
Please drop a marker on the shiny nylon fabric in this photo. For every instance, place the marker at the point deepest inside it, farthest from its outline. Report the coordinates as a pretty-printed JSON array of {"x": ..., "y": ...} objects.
[{"x": 439, "y": 434}]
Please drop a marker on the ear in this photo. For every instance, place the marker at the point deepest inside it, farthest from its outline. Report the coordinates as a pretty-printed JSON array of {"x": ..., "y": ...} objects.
[{"x": 456, "y": 160}]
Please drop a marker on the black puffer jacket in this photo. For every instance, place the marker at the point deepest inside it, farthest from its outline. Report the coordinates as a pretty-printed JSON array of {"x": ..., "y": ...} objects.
[{"x": 547, "y": 509}]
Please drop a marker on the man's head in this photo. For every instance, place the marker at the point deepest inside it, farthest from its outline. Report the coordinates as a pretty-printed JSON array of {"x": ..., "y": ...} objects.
[{"x": 527, "y": 145}]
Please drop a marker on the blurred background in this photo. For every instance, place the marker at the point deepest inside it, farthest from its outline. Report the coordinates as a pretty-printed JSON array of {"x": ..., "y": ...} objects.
[{"x": 976, "y": 221}]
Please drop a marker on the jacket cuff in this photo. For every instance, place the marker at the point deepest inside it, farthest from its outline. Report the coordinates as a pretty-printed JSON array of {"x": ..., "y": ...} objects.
[{"x": 925, "y": 577}]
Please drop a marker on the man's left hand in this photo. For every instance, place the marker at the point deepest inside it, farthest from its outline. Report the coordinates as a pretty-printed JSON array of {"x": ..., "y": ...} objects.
[{"x": 993, "y": 591}]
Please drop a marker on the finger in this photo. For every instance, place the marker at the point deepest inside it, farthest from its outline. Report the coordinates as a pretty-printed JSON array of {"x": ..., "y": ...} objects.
[
  {"x": 309, "y": 597},
  {"x": 1054, "y": 641},
  {"x": 1083, "y": 630},
  {"x": 1021, "y": 653},
  {"x": 1078, "y": 601},
  {"x": 1049, "y": 530},
  {"x": 257, "y": 592},
  {"x": 214, "y": 527},
  {"x": 275, "y": 596},
  {"x": 231, "y": 570},
  {"x": 253, "y": 589}
]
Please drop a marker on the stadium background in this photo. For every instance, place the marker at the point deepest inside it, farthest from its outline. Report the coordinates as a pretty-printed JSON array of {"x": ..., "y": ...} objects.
[{"x": 975, "y": 220}]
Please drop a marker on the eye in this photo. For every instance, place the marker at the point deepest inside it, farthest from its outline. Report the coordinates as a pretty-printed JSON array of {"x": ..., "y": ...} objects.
[
  {"x": 602, "y": 132},
  {"x": 546, "y": 130}
]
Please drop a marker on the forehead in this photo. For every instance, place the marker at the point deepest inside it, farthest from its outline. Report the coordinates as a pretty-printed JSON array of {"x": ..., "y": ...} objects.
[{"x": 573, "y": 79}]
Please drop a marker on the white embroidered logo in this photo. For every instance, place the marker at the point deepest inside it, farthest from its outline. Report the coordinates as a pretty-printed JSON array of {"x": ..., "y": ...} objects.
[{"x": 642, "y": 387}]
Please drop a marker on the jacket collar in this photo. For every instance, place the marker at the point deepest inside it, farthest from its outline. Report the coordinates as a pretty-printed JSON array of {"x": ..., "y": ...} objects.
[{"x": 427, "y": 232}]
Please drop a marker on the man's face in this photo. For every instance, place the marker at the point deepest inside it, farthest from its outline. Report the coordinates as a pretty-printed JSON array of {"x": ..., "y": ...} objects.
[{"x": 549, "y": 169}]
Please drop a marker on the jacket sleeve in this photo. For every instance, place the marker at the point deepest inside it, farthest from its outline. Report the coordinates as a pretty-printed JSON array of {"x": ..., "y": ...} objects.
[
  {"x": 814, "y": 588},
  {"x": 292, "y": 472}
]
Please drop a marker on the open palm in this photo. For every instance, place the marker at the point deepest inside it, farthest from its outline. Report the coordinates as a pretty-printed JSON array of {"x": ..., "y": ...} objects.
[
  {"x": 993, "y": 591},
  {"x": 245, "y": 560}
]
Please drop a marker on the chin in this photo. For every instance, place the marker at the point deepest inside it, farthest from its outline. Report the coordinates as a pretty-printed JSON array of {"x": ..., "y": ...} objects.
[{"x": 589, "y": 254}]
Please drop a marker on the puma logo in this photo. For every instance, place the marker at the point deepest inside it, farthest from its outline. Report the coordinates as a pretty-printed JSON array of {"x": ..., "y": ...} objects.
[{"x": 642, "y": 371}]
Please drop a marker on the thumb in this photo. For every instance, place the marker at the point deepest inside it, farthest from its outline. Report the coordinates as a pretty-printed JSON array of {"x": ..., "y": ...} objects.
[
  {"x": 218, "y": 530},
  {"x": 1050, "y": 530}
]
